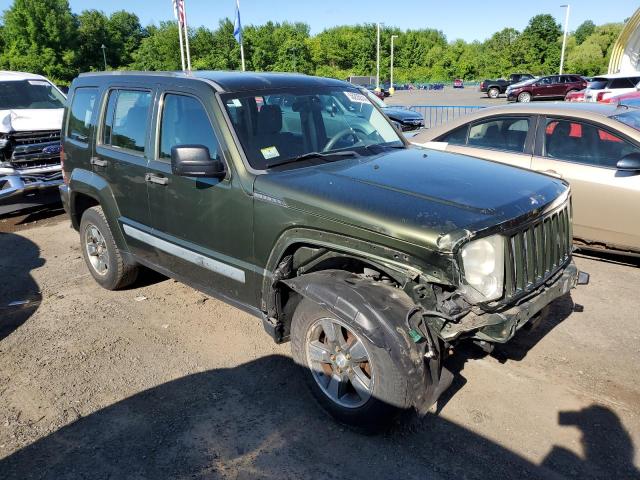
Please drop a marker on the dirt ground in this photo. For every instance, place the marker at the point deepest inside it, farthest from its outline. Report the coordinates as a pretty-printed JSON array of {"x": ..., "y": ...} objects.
[{"x": 160, "y": 381}]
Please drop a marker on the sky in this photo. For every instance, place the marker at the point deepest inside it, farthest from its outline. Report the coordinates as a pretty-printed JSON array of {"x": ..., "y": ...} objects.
[{"x": 466, "y": 19}]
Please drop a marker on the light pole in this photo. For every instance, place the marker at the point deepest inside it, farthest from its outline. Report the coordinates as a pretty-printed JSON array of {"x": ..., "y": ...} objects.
[
  {"x": 104, "y": 56},
  {"x": 391, "y": 89},
  {"x": 378, "y": 60},
  {"x": 564, "y": 39}
]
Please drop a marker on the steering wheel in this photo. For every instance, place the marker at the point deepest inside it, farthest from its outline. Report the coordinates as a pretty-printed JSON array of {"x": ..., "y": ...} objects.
[{"x": 358, "y": 135}]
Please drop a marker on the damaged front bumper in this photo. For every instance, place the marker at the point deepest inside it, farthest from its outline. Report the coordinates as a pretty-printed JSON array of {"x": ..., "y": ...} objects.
[
  {"x": 500, "y": 326},
  {"x": 28, "y": 188}
]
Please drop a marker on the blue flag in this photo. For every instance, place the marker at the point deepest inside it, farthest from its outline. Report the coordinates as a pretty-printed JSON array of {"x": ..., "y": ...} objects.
[{"x": 237, "y": 26}]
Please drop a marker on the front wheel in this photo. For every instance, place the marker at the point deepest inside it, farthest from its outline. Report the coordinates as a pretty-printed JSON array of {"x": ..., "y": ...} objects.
[
  {"x": 524, "y": 97},
  {"x": 494, "y": 93},
  {"x": 355, "y": 381}
]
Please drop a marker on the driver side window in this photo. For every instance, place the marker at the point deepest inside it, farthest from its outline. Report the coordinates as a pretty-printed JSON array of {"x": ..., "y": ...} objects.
[{"x": 185, "y": 122}]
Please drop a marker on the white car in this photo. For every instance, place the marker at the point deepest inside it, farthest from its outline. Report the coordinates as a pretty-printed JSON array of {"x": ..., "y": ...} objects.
[
  {"x": 31, "y": 109},
  {"x": 606, "y": 86}
]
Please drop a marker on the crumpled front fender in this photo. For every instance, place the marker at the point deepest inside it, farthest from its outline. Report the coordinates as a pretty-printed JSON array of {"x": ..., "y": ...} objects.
[{"x": 380, "y": 312}]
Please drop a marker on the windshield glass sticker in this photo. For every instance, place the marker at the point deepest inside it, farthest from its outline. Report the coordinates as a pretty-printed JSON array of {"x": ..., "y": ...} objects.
[
  {"x": 236, "y": 102},
  {"x": 356, "y": 97},
  {"x": 38, "y": 83},
  {"x": 270, "y": 152}
]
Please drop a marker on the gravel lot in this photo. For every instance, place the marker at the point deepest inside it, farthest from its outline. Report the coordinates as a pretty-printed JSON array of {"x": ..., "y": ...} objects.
[
  {"x": 448, "y": 96},
  {"x": 160, "y": 381}
]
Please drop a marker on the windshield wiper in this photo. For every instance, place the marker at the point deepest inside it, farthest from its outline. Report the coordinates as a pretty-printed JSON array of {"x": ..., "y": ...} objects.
[{"x": 306, "y": 156}]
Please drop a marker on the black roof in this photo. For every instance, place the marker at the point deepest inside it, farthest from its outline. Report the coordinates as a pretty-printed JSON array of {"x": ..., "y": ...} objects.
[{"x": 230, "y": 81}]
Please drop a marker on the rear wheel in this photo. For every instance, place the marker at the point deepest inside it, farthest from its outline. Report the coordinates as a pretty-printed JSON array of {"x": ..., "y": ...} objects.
[
  {"x": 352, "y": 379},
  {"x": 524, "y": 97},
  {"x": 493, "y": 93},
  {"x": 101, "y": 254}
]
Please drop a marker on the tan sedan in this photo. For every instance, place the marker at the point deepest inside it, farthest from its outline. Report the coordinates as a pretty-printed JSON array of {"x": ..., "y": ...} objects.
[{"x": 593, "y": 146}]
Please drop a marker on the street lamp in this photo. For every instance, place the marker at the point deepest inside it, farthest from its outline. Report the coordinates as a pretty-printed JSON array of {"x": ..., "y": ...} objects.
[
  {"x": 378, "y": 59},
  {"x": 391, "y": 89},
  {"x": 104, "y": 56},
  {"x": 564, "y": 39}
]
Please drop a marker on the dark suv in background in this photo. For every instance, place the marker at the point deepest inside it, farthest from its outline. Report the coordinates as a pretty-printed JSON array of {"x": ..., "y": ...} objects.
[
  {"x": 553, "y": 87},
  {"x": 372, "y": 256}
]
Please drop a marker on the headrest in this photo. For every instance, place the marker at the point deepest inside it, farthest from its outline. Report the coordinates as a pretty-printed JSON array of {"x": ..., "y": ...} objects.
[{"x": 270, "y": 119}]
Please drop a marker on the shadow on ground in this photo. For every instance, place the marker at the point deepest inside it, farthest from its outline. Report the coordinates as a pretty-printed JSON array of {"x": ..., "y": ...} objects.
[
  {"x": 257, "y": 421},
  {"x": 19, "y": 293},
  {"x": 514, "y": 350}
]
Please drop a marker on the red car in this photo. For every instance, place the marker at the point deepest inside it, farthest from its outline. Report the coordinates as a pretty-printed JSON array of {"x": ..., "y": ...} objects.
[
  {"x": 575, "y": 96},
  {"x": 632, "y": 99},
  {"x": 553, "y": 87},
  {"x": 457, "y": 83}
]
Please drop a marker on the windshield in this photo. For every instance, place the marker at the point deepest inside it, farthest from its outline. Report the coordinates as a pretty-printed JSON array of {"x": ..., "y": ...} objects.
[
  {"x": 374, "y": 99},
  {"x": 30, "y": 94},
  {"x": 280, "y": 126},
  {"x": 631, "y": 118}
]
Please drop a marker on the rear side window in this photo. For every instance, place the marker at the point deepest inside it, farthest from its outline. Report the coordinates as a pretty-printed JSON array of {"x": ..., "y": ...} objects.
[
  {"x": 501, "y": 134},
  {"x": 598, "y": 83},
  {"x": 126, "y": 119},
  {"x": 622, "y": 83},
  {"x": 81, "y": 113},
  {"x": 185, "y": 122},
  {"x": 580, "y": 142}
]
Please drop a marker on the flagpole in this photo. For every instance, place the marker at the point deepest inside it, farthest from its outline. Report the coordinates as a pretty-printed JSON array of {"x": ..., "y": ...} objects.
[
  {"x": 177, "y": 15},
  {"x": 186, "y": 34},
  {"x": 237, "y": 30}
]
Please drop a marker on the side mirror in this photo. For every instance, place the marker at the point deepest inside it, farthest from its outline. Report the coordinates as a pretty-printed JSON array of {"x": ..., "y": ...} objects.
[
  {"x": 629, "y": 163},
  {"x": 195, "y": 161}
]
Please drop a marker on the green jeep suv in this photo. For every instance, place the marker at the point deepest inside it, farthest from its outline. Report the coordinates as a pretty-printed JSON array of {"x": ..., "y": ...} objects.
[{"x": 296, "y": 199}]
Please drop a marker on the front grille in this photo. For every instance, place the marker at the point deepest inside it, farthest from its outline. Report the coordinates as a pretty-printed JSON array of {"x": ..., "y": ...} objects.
[
  {"x": 537, "y": 252},
  {"x": 32, "y": 150}
]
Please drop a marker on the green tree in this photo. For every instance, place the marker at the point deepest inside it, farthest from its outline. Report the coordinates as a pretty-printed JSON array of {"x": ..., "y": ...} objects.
[
  {"x": 538, "y": 46},
  {"x": 160, "y": 50},
  {"x": 585, "y": 29},
  {"x": 92, "y": 34},
  {"x": 124, "y": 36},
  {"x": 40, "y": 37}
]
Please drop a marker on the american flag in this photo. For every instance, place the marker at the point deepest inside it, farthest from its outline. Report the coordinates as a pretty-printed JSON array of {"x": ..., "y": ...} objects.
[{"x": 178, "y": 11}]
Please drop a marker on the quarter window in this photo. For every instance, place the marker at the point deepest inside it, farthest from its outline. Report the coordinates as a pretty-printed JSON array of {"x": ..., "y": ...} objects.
[
  {"x": 81, "y": 113},
  {"x": 185, "y": 122},
  {"x": 126, "y": 119},
  {"x": 501, "y": 134},
  {"x": 456, "y": 137},
  {"x": 580, "y": 142}
]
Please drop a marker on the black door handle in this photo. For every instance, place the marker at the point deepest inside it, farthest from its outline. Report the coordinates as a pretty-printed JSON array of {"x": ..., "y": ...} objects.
[
  {"x": 151, "y": 178},
  {"x": 98, "y": 162}
]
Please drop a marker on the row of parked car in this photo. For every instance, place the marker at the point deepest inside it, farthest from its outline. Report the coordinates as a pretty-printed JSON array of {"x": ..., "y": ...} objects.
[{"x": 524, "y": 87}]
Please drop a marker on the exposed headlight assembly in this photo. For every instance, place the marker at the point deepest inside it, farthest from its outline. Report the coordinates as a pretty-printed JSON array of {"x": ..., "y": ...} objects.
[{"x": 483, "y": 265}]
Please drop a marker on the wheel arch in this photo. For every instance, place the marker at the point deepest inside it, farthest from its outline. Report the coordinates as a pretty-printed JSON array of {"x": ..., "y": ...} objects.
[{"x": 88, "y": 190}]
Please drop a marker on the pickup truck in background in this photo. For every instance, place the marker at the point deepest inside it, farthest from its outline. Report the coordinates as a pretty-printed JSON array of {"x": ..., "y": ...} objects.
[
  {"x": 493, "y": 88},
  {"x": 31, "y": 110}
]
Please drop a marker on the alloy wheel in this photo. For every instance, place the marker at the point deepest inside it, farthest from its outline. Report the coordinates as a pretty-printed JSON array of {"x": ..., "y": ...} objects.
[
  {"x": 96, "y": 249},
  {"x": 339, "y": 362}
]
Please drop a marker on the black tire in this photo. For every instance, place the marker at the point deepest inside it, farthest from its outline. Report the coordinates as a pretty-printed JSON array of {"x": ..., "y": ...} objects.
[
  {"x": 493, "y": 93},
  {"x": 389, "y": 392},
  {"x": 119, "y": 273}
]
